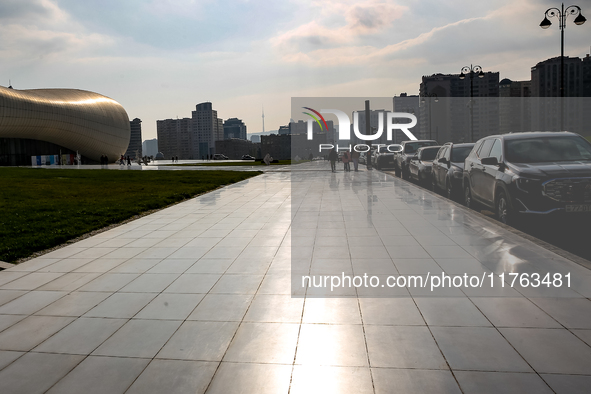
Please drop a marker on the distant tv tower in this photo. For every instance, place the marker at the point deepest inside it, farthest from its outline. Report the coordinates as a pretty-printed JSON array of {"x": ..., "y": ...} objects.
[{"x": 263, "y": 119}]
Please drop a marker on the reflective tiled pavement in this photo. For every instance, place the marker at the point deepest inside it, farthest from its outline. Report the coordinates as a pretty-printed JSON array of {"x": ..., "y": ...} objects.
[{"x": 198, "y": 298}]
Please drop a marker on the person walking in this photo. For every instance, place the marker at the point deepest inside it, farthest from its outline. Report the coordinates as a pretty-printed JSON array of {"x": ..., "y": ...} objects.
[
  {"x": 355, "y": 157},
  {"x": 368, "y": 159},
  {"x": 346, "y": 161},
  {"x": 128, "y": 161},
  {"x": 333, "y": 157}
]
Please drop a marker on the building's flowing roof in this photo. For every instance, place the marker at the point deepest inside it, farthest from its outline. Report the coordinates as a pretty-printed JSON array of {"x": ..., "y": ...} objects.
[{"x": 86, "y": 122}]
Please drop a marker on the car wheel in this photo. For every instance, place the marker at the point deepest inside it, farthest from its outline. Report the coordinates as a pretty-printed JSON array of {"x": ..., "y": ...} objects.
[
  {"x": 434, "y": 184},
  {"x": 405, "y": 173},
  {"x": 468, "y": 201},
  {"x": 504, "y": 213},
  {"x": 421, "y": 180}
]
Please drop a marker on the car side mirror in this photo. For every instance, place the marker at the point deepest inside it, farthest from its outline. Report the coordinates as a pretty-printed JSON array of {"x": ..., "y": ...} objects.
[
  {"x": 443, "y": 160},
  {"x": 490, "y": 161}
]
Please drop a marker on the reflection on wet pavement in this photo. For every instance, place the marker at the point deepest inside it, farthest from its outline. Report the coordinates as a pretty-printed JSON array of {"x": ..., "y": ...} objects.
[{"x": 206, "y": 296}]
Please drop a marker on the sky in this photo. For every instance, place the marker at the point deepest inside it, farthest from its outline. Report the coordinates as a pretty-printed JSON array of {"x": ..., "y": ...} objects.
[{"x": 159, "y": 58}]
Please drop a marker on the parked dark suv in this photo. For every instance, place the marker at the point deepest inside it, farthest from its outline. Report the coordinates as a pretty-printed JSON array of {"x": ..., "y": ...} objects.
[
  {"x": 384, "y": 157},
  {"x": 533, "y": 173},
  {"x": 402, "y": 158},
  {"x": 448, "y": 168}
]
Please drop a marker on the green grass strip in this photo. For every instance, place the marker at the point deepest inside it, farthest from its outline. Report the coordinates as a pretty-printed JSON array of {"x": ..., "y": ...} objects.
[{"x": 41, "y": 208}]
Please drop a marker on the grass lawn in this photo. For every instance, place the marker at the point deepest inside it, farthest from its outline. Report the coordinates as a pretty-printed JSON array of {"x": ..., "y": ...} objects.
[
  {"x": 216, "y": 163},
  {"x": 42, "y": 208}
]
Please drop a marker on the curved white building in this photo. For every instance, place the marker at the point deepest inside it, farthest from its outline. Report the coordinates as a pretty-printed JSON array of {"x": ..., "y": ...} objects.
[{"x": 45, "y": 121}]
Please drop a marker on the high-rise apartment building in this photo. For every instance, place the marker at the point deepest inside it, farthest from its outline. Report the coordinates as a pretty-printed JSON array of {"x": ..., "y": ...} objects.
[
  {"x": 586, "y": 75},
  {"x": 410, "y": 105},
  {"x": 207, "y": 127},
  {"x": 466, "y": 109},
  {"x": 234, "y": 128},
  {"x": 514, "y": 106},
  {"x": 191, "y": 138},
  {"x": 134, "y": 149},
  {"x": 545, "y": 77},
  {"x": 552, "y": 112},
  {"x": 176, "y": 138}
]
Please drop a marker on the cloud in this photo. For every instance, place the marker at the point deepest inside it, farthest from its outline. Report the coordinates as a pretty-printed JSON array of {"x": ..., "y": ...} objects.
[
  {"x": 372, "y": 34},
  {"x": 23, "y": 10},
  {"x": 193, "y": 9},
  {"x": 360, "y": 20},
  {"x": 370, "y": 17},
  {"x": 38, "y": 29},
  {"x": 368, "y": 54}
]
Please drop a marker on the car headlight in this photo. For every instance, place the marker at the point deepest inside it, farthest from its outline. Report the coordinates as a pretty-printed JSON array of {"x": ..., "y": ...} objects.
[{"x": 526, "y": 184}]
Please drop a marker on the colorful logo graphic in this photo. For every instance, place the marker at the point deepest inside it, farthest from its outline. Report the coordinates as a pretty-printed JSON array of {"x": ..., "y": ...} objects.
[
  {"x": 345, "y": 124},
  {"x": 315, "y": 118}
]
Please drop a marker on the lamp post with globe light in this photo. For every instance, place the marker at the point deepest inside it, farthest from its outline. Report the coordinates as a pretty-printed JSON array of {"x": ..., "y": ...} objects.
[{"x": 561, "y": 14}]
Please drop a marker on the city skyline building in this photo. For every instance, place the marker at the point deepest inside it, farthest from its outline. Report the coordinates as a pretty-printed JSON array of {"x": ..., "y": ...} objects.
[
  {"x": 467, "y": 109},
  {"x": 514, "y": 106},
  {"x": 410, "y": 105},
  {"x": 134, "y": 149},
  {"x": 191, "y": 138},
  {"x": 283, "y": 130},
  {"x": 552, "y": 112},
  {"x": 176, "y": 138},
  {"x": 545, "y": 77},
  {"x": 234, "y": 128},
  {"x": 207, "y": 127}
]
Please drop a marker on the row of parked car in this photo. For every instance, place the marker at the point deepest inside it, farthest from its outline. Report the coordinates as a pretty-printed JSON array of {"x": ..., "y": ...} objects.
[{"x": 539, "y": 173}]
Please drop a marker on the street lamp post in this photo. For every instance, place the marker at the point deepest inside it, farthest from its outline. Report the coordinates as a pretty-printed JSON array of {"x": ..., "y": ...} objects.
[
  {"x": 472, "y": 70},
  {"x": 430, "y": 95},
  {"x": 562, "y": 14}
]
